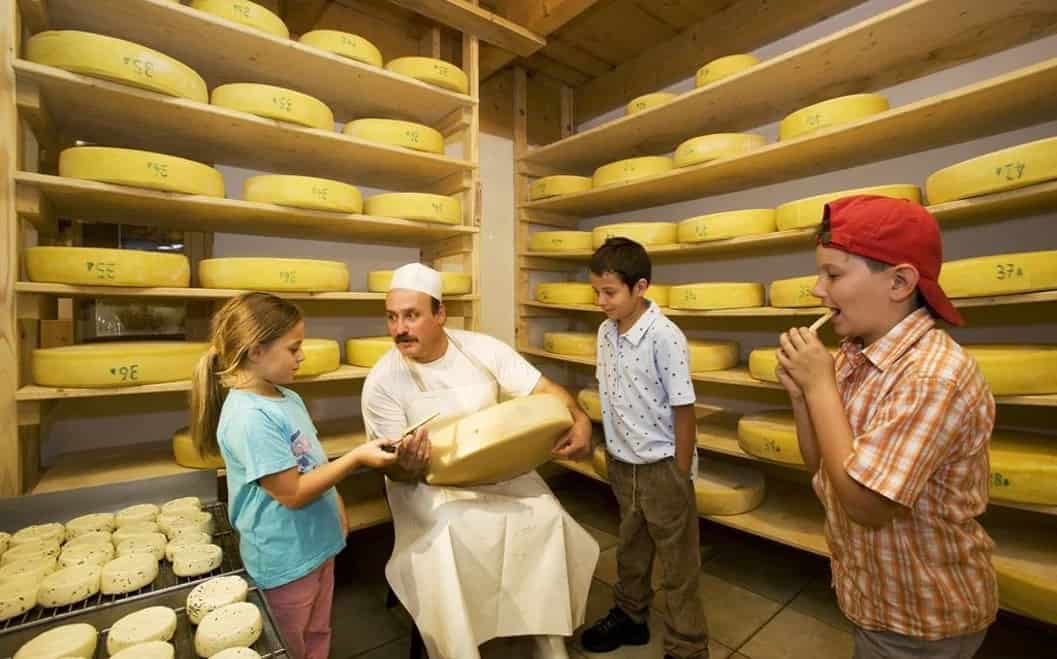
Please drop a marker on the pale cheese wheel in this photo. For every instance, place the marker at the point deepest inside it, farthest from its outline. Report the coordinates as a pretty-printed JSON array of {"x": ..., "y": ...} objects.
[
  {"x": 452, "y": 283},
  {"x": 129, "y": 531},
  {"x": 730, "y": 224},
  {"x": 717, "y": 295},
  {"x": 119, "y": 364},
  {"x": 196, "y": 560},
  {"x": 181, "y": 504},
  {"x": 631, "y": 169},
  {"x": 52, "y": 531},
  {"x": 303, "y": 192},
  {"x": 659, "y": 293},
  {"x": 1024, "y": 468},
  {"x": 93, "y": 554},
  {"x": 274, "y": 274},
  {"x": 727, "y": 488},
  {"x": 237, "y": 653},
  {"x": 770, "y": 436},
  {"x": 366, "y": 351},
  {"x": 69, "y": 586},
  {"x": 1015, "y": 370},
  {"x": 35, "y": 568},
  {"x": 591, "y": 403},
  {"x": 579, "y": 344},
  {"x": 600, "y": 461},
  {"x": 245, "y": 13},
  {"x": 117, "y": 60},
  {"x": 135, "y": 514},
  {"x": 91, "y": 523},
  {"x": 152, "y": 544},
  {"x": 90, "y": 538},
  {"x": 712, "y": 355},
  {"x": 5, "y": 541},
  {"x": 345, "y": 44},
  {"x": 129, "y": 573},
  {"x": 795, "y": 292},
  {"x": 647, "y": 234},
  {"x": 433, "y": 71},
  {"x": 724, "y": 67},
  {"x": 215, "y": 594},
  {"x": 762, "y": 364},
  {"x": 827, "y": 114},
  {"x": 560, "y": 241},
  {"x": 18, "y": 594},
  {"x": 141, "y": 169},
  {"x": 648, "y": 101},
  {"x": 276, "y": 103},
  {"x": 37, "y": 549},
  {"x": 74, "y": 640},
  {"x": 172, "y": 523},
  {"x": 420, "y": 206},
  {"x": 567, "y": 292},
  {"x": 186, "y": 455},
  {"x": 999, "y": 171},
  {"x": 151, "y": 650},
  {"x": 806, "y": 213},
  {"x": 93, "y": 266},
  {"x": 497, "y": 443},
  {"x": 714, "y": 147},
  {"x": 189, "y": 531},
  {"x": 185, "y": 540},
  {"x": 559, "y": 184},
  {"x": 1001, "y": 274},
  {"x": 405, "y": 134},
  {"x": 321, "y": 356},
  {"x": 154, "y": 623}
]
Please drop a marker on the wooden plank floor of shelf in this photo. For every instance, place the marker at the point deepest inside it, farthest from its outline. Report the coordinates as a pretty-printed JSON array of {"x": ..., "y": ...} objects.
[{"x": 112, "y": 114}]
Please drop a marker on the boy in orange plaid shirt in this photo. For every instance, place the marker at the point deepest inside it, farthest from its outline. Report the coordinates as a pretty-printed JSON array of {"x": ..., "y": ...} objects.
[{"x": 896, "y": 431}]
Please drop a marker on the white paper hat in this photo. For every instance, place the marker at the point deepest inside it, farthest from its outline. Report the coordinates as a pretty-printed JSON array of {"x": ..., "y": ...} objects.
[{"x": 417, "y": 277}]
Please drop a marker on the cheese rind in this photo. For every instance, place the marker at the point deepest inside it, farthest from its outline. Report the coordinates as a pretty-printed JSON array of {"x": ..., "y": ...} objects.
[
  {"x": 730, "y": 224},
  {"x": 1000, "y": 274},
  {"x": 567, "y": 292},
  {"x": 274, "y": 274},
  {"x": 129, "y": 573},
  {"x": 570, "y": 343},
  {"x": 646, "y": 234},
  {"x": 560, "y": 241},
  {"x": 591, "y": 403},
  {"x": 196, "y": 560},
  {"x": 141, "y": 169},
  {"x": 433, "y": 71},
  {"x": 119, "y": 364},
  {"x": 91, "y": 523},
  {"x": 712, "y": 355},
  {"x": 418, "y": 206},
  {"x": 366, "y": 351},
  {"x": 214, "y": 594},
  {"x": 234, "y": 625},
  {"x": 806, "y": 213},
  {"x": 154, "y": 623},
  {"x": 1017, "y": 370},
  {"x": 552, "y": 186},
  {"x": 405, "y": 134},
  {"x": 345, "y": 44},
  {"x": 321, "y": 356},
  {"x": 150, "y": 650},
  {"x": 771, "y": 436},
  {"x": 303, "y": 192},
  {"x": 276, "y": 103},
  {"x": 830, "y": 113},
  {"x": 727, "y": 488},
  {"x": 999, "y": 171},
  {"x": 452, "y": 283},
  {"x": 65, "y": 641},
  {"x": 724, "y": 67},
  {"x": 69, "y": 586},
  {"x": 717, "y": 295},
  {"x": 716, "y": 146},
  {"x": 794, "y": 292},
  {"x": 631, "y": 169},
  {"x": 1024, "y": 468},
  {"x": 245, "y": 13},
  {"x": 52, "y": 531},
  {"x": 647, "y": 101}
]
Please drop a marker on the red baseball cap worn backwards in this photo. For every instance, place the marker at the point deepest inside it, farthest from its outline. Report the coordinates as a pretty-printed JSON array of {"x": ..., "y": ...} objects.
[{"x": 891, "y": 231}]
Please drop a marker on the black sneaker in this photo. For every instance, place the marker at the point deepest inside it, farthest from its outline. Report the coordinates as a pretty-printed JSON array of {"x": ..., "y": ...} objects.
[{"x": 613, "y": 631}]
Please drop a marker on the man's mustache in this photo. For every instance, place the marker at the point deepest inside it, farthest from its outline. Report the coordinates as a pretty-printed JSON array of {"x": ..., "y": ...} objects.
[{"x": 405, "y": 338}]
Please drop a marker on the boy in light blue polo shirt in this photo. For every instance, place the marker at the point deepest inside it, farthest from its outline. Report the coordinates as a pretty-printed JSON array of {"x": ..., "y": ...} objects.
[{"x": 648, "y": 414}]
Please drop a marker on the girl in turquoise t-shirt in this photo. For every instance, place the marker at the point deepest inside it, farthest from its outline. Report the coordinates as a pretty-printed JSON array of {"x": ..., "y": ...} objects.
[{"x": 281, "y": 497}]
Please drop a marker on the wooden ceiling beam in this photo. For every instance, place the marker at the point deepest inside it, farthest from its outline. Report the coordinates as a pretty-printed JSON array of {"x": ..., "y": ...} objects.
[
  {"x": 543, "y": 17},
  {"x": 471, "y": 19}
]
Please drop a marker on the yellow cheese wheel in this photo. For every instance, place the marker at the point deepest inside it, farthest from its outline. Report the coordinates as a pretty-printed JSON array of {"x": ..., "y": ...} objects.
[
  {"x": 119, "y": 364},
  {"x": 118, "y": 60},
  {"x": 647, "y": 101},
  {"x": 591, "y": 403},
  {"x": 274, "y": 274},
  {"x": 434, "y": 71},
  {"x": 712, "y": 355},
  {"x": 345, "y": 44},
  {"x": 660, "y": 294},
  {"x": 762, "y": 364},
  {"x": 366, "y": 351},
  {"x": 723, "y": 67},
  {"x": 95, "y": 266},
  {"x": 452, "y": 283},
  {"x": 581, "y": 344},
  {"x": 415, "y": 206},
  {"x": 795, "y": 292},
  {"x": 1001, "y": 274},
  {"x": 406, "y": 134},
  {"x": 71, "y": 640},
  {"x": 730, "y": 224},
  {"x": 273, "y": 102},
  {"x": 560, "y": 241},
  {"x": 771, "y": 436},
  {"x": 1024, "y": 468},
  {"x": 834, "y": 112},
  {"x": 245, "y": 13},
  {"x": 1007, "y": 169},
  {"x": 717, "y": 295},
  {"x": 303, "y": 192},
  {"x": 713, "y": 147},
  {"x": 1026, "y": 571},
  {"x": 321, "y": 356},
  {"x": 1017, "y": 370},
  {"x": 644, "y": 233},
  {"x": 552, "y": 186},
  {"x": 805, "y": 213},
  {"x": 723, "y": 487},
  {"x": 600, "y": 462},
  {"x": 140, "y": 169},
  {"x": 186, "y": 455},
  {"x": 568, "y": 292},
  {"x": 631, "y": 169}
]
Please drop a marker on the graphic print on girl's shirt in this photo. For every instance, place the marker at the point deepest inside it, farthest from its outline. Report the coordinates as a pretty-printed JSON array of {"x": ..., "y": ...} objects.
[{"x": 299, "y": 446}]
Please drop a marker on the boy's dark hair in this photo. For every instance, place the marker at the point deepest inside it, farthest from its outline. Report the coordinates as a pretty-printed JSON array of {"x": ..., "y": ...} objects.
[
  {"x": 623, "y": 257},
  {"x": 434, "y": 305}
]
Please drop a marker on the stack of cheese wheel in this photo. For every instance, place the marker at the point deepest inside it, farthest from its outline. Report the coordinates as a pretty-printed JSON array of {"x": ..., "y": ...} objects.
[
  {"x": 245, "y": 13},
  {"x": 591, "y": 403},
  {"x": 566, "y": 292},
  {"x": 321, "y": 356},
  {"x": 576, "y": 344},
  {"x": 303, "y": 192},
  {"x": 552, "y": 186},
  {"x": 713, "y": 147},
  {"x": 186, "y": 455},
  {"x": 1017, "y": 370},
  {"x": 406, "y": 134},
  {"x": 95, "y": 266},
  {"x": 729, "y": 224},
  {"x": 71, "y": 640},
  {"x": 795, "y": 292},
  {"x": 433, "y": 71},
  {"x": 631, "y": 169},
  {"x": 647, "y": 101},
  {"x": 1007, "y": 169},
  {"x": 771, "y": 436},
  {"x": 1001, "y": 274},
  {"x": 452, "y": 283},
  {"x": 140, "y": 169},
  {"x": 366, "y": 351},
  {"x": 712, "y": 355},
  {"x": 659, "y": 293},
  {"x": 723, "y": 487},
  {"x": 827, "y": 114},
  {"x": 345, "y": 44},
  {"x": 647, "y": 234},
  {"x": 724, "y": 67},
  {"x": 119, "y": 364},
  {"x": 807, "y": 212},
  {"x": 560, "y": 241},
  {"x": 420, "y": 206},
  {"x": 717, "y": 295},
  {"x": 273, "y": 102},
  {"x": 117, "y": 60},
  {"x": 1024, "y": 468},
  {"x": 274, "y": 274}
]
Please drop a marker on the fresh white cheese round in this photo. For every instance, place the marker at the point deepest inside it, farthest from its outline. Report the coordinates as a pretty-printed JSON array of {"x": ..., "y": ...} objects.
[
  {"x": 37, "y": 567},
  {"x": 90, "y": 538},
  {"x": 195, "y": 560},
  {"x": 39, "y": 549},
  {"x": 69, "y": 586},
  {"x": 237, "y": 653},
  {"x": 174, "y": 523},
  {"x": 141, "y": 512},
  {"x": 186, "y": 540},
  {"x": 76, "y": 640},
  {"x": 18, "y": 594},
  {"x": 151, "y": 650},
  {"x": 215, "y": 594},
  {"x": 235, "y": 625},
  {"x": 38, "y": 533},
  {"x": 190, "y": 504},
  {"x": 92, "y": 523},
  {"x": 148, "y": 543},
  {"x": 91, "y": 554},
  {"x": 155, "y": 623},
  {"x": 131, "y": 530},
  {"x": 129, "y": 573}
]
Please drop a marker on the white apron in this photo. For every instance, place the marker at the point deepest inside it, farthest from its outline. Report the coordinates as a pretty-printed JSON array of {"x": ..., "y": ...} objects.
[{"x": 475, "y": 563}]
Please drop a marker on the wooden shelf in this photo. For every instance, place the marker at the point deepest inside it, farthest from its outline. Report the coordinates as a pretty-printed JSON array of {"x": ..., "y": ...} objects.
[
  {"x": 236, "y": 53},
  {"x": 909, "y": 41},
  {"x": 1024, "y": 97},
  {"x": 111, "y": 114}
]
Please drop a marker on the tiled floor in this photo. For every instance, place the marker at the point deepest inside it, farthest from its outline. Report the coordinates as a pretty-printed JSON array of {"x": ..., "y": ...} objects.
[{"x": 763, "y": 600}]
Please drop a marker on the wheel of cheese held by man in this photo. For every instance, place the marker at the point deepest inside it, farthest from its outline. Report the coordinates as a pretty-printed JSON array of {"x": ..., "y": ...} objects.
[
  {"x": 647, "y": 234},
  {"x": 420, "y": 206},
  {"x": 1017, "y": 370},
  {"x": 497, "y": 443},
  {"x": 69, "y": 586},
  {"x": 63, "y": 642},
  {"x": 1007, "y": 169},
  {"x": 591, "y": 403},
  {"x": 245, "y": 13},
  {"x": 730, "y": 224},
  {"x": 274, "y": 274},
  {"x": 580, "y": 344},
  {"x": 52, "y": 531},
  {"x": 631, "y": 169},
  {"x": 771, "y": 436},
  {"x": 552, "y": 186},
  {"x": 1023, "y": 467},
  {"x": 321, "y": 356},
  {"x": 141, "y": 169},
  {"x": 79, "y": 555},
  {"x": 713, "y": 147},
  {"x": 433, "y": 71},
  {"x": 406, "y": 134},
  {"x": 154, "y": 623},
  {"x": 231, "y": 626},
  {"x": 724, "y": 487},
  {"x": 119, "y": 364},
  {"x": 1000, "y": 274},
  {"x": 647, "y": 101},
  {"x": 659, "y": 294},
  {"x": 18, "y": 594},
  {"x": 96, "y": 266},
  {"x": 566, "y": 292},
  {"x": 724, "y": 67},
  {"x": 806, "y": 213},
  {"x": 599, "y": 461},
  {"x": 129, "y": 573},
  {"x": 795, "y": 292},
  {"x": 452, "y": 283},
  {"x": 117, "y": 60},
  {"x": 827, "y": 114},
  {"x": 273, "y": 102},
  {"x": 345, "y": 44},
  {"x": 560, "y": 241},
  {"x": 89, "y": 524},
  {"x": 303, "y": 192},
  {"x": 214, "y": 594},
  {"x": 717, "y": 295},
  {"x": 37, "y": 549},
  {"x": 366, "y": 351},
  {"x": 149, "y": 650},
  {"x": 712, "y": 355}
]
